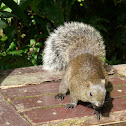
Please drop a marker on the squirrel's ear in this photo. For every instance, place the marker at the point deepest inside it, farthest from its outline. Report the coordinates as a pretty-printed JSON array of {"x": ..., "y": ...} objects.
[
  {"x": 103, "y": 81},
  {"x": 88, "y": 84}
]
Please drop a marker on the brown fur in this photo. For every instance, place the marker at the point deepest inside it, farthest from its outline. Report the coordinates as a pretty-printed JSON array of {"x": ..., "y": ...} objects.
[{"x": 84, "y": 72}]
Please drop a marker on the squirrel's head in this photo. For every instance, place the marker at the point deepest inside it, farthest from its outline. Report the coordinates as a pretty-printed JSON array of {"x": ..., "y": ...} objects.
[{"x": 96, "y": 92}]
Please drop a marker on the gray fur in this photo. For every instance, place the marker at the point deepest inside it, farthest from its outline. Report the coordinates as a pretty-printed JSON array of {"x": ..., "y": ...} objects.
[{"x": 58, "y": 51}]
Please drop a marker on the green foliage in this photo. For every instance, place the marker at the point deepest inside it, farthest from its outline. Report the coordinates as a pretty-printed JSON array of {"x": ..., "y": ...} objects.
[
  {"x": 49, "y": 9},
  {"x": 109, "y": 18},
  {"x": 16, "y": 10},
  {"x": 25, "y": 25},
  {"x": 2, "y": 24}
]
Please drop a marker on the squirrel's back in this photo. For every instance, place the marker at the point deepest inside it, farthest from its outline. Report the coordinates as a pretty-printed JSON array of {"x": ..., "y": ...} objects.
[{"x": 70, "y": 40}]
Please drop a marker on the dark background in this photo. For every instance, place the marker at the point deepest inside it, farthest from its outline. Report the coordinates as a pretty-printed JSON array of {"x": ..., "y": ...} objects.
[{"x": 25, "y": 26}]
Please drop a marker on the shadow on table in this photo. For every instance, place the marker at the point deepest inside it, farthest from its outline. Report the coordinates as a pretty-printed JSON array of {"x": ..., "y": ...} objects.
[
  {"x": 106, "y": 109},
  {"x": 4, "y": 74}
]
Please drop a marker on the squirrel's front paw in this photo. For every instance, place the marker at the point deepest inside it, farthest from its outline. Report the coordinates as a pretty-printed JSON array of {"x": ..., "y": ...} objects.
[
  {"x": 60, "y": 96},
  {"x": 70, "y": 106}
]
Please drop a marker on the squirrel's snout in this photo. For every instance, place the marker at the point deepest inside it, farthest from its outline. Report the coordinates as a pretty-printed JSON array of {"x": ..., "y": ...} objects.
[{"x": 99, "y": 104}]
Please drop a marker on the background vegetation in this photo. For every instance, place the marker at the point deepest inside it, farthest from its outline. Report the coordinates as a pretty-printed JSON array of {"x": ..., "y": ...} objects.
[{"x": 25, "y": 25}]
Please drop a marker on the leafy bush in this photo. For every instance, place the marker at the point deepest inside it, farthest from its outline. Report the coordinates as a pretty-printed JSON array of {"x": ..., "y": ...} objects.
[{"x": 25, "y": 25}]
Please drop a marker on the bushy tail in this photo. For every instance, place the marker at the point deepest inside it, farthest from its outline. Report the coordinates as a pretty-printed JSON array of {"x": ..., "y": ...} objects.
[
  {"x": 53, "y": 60},
  {"x": 57, "y": 45}
]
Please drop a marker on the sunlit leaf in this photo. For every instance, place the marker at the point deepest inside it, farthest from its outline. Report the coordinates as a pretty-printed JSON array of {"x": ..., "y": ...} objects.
[{"x": 16, "y": 10}]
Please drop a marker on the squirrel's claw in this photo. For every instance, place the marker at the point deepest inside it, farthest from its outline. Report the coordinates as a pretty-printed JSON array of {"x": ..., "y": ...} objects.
[
  {"x": 70, "y": 106},
  {"x": 60, "y": 96},
  {"x": 98, "y": 113}
]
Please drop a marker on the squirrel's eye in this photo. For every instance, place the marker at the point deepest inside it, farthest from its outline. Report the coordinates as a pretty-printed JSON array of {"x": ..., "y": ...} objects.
[{"x": 91, "y": 94}]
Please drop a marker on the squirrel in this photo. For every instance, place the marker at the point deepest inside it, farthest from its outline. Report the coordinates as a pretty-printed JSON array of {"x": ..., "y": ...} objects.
[{"x": 78, "y": 50}]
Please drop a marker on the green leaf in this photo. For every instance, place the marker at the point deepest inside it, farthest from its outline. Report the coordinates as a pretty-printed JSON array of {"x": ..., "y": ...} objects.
[
  {"x": 12, "y": 46},
  {"x": 32, "y": 41},
  {"x": 3, "y": 38},
  {"x": 48, "y": 9},
  {"x": 2, "y": 24},
  {"x": 16, "y": 52},
  {"x": 25, "y": 49},
  {"x": 34, "y": 62},
  {"x": 24, "y": 4},
  {"x": 34, "y": 56},
  {"x": 5, "y": 14},
  {"x": 81, "y": 4},
  {"x": 16, "y": 10},
  {"x": 37, "y": 47},
  {"x": 5, "y": 8}
]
